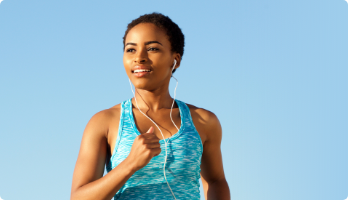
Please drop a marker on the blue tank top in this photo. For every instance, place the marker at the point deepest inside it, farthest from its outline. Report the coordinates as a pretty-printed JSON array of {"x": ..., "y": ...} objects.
[{"x": 184, "y": 152}]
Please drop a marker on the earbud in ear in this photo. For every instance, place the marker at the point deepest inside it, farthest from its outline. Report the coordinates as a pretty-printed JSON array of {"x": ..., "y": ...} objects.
[{"x": 174, "y": 64}]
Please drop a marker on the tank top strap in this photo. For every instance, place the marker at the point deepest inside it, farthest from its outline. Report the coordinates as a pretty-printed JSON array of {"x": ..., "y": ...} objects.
[
  {"x": 119, "y": 134},
  {"x": 127, "y": 107},
  {"x": 188, "y": 122},
  {"x": 185, "y": 112}
]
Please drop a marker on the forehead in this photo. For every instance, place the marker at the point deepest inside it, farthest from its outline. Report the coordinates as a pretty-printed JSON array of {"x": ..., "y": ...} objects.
[{"x": 145, "y": 32}]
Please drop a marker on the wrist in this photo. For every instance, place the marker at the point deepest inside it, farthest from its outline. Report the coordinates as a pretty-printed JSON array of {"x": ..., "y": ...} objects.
[{"x": 130, "y": 166}]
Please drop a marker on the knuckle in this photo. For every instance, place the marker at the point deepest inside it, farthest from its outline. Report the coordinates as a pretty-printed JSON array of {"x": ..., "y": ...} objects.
[
  {"x": 142, "y": 140},
  {"x": 148, "y": 152}
]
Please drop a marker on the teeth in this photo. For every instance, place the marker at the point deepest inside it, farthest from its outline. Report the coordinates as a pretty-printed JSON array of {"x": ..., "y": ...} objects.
[{"x": 141, "y": 70}]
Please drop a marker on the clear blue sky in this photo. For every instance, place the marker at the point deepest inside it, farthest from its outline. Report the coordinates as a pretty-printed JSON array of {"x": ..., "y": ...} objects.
[{"x": 274, "y": 72}]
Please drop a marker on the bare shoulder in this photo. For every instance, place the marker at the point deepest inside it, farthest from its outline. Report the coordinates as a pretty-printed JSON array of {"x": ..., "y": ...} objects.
[
  {"x": 100, "y": 132},
  {"x": 206, "y": 123},
  {"x": 101, "y": 122},
  {"x": 202, "y": 114},
  {"x": 94, "y": 148}
]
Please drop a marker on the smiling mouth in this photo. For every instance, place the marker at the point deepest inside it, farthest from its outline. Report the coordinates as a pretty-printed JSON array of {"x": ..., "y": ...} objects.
[{"x": 141, "y": 70}]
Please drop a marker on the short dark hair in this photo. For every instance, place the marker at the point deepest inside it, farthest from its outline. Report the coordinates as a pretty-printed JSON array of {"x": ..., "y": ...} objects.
[{"x": 174, "y": 33}]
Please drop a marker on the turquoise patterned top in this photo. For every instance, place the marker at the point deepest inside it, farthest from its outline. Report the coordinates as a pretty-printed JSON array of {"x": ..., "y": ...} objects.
[{"x": 183, "y": 162}]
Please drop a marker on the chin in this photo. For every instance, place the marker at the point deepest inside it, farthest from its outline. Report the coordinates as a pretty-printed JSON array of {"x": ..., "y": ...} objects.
[{"x": 143, "y": 84}]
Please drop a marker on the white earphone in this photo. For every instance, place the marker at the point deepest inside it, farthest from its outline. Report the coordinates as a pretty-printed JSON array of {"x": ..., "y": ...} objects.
[{"x": 174, "y": 65}]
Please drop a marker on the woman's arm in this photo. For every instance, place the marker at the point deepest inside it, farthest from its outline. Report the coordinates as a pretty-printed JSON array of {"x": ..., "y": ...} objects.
[
  {"x": 88, "y": 180},
  {"x": 212, "y": 173}
]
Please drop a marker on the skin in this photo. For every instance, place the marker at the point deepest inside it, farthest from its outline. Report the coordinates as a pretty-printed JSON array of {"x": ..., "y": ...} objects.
[{"x": 153, "y": 98}]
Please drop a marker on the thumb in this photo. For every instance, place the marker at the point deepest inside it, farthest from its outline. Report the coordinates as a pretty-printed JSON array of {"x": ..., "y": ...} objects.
[{"x": 150, "y": 130}]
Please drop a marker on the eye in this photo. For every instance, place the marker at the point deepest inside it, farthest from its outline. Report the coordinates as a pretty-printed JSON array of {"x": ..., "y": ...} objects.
[
  {"x": 130, "y": 50},
  {"x": 152, "y": 49}
]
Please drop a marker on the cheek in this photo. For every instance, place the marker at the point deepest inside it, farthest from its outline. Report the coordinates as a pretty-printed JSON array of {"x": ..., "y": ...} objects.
[
  {"x": 127, "y": 63},
  {"x": 161, "y": 61}
]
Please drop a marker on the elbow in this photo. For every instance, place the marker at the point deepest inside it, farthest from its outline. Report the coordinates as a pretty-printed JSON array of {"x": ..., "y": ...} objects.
[
  {"x": 74, "y": 194},
  {"x": 218, "y": 189},
  {"x": 216, "y": 181}
]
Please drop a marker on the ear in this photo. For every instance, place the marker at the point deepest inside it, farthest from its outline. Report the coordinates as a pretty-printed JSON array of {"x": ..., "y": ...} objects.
[{"x": 177, "y": 57}]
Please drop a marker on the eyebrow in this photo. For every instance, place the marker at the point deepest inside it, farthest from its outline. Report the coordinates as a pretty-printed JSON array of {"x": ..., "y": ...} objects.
[{"x": 146, "y": 43}]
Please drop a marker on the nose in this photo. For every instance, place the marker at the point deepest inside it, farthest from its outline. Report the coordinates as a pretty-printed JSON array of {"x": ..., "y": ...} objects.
[{"x": 141, "y": 56}]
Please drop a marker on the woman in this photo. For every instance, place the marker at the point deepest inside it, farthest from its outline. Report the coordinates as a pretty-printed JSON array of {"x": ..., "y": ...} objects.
[{"x": 160, "y": 154}]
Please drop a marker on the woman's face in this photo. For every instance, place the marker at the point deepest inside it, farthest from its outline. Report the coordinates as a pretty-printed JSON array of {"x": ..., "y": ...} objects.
[{"x": 148, "y": 58}]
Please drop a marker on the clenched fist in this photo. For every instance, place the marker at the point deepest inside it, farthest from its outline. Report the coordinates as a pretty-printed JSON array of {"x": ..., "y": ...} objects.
[{"x": 144, "y": 148}]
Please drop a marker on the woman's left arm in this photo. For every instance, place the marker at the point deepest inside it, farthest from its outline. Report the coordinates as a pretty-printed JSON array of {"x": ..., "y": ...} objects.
[{"x": 212, "y": 173}]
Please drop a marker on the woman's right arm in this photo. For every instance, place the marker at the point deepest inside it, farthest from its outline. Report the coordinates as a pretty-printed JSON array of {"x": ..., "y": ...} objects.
[{"x": 88, "y": 180}]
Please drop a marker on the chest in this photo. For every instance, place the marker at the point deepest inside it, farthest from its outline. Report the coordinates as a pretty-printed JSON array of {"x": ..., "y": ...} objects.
[
  {"x": 141, "y": 124},
  {"x": 167, "y": 125},
  {"x": 183, "y": 153}
]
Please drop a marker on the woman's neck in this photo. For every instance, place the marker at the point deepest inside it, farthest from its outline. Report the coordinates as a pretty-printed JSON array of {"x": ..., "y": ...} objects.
[{"x": 153, "y": 100}]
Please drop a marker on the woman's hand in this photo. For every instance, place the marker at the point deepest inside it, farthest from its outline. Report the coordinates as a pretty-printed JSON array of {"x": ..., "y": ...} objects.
[{"x": 144, "y": 148}]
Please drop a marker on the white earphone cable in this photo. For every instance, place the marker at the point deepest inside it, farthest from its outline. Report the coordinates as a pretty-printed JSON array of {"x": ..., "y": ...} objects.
[
  {"x": 165, "y": 141},
  {"x": 173, "y": 103}
]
